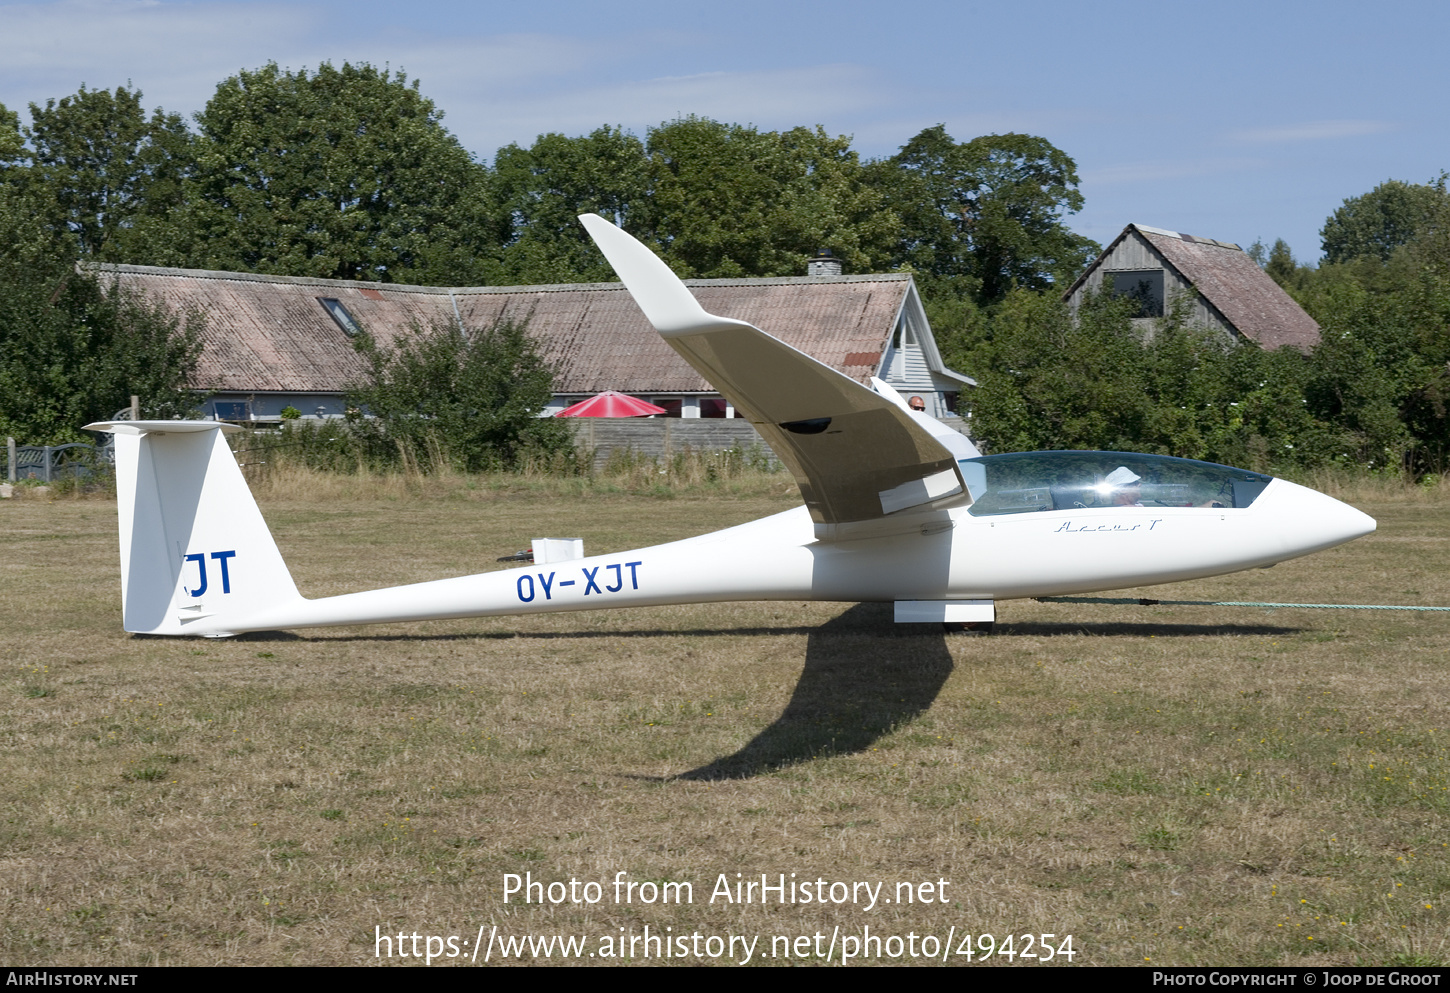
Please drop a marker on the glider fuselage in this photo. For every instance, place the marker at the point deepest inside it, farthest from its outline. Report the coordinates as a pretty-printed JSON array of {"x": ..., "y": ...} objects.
[{"x": 951, "y": 557}]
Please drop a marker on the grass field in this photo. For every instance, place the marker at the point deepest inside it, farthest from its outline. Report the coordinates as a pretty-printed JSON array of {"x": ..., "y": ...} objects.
[{"x": 1174, "y": 785}]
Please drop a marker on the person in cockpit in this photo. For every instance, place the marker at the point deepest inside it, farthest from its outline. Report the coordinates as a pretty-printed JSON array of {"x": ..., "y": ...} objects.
[{"x": 1125, "y": 487}]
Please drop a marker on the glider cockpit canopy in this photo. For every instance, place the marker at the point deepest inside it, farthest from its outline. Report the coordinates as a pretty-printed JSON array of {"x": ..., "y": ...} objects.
[{"x": 1026, "y": 482}]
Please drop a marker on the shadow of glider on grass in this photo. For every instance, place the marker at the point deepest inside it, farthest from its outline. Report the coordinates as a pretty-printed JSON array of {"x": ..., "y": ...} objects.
[{"x": 898, "y": 508}]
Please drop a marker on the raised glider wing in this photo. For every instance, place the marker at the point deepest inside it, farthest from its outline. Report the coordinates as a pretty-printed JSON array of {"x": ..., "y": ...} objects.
[
  {"x": 898, "y": 507},
  {"x": 857, "y": 455}
]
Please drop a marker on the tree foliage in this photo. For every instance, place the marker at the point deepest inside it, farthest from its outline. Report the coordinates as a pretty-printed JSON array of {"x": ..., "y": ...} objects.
[
  {"x": 1280, "y": 265},
  {"x": 544, "y": 188},
  {"x": 444, "y": 395},
  {"x": 1381, "y": 373},
  {"x": 106, "y": 169},
  {"x": 12, "y": 145},
  {"x": 1093, "y": 380},
  {"x": 732, "y": 201},
  {"x": 72, "y": 348},
  {"x": 348, "y": 173},
  {"x": 1379, "y": 222},
  {"x": 989, "y": 211},
  {"x": 1374, "y": 393},
  {"x": 715, "y": 199},
  {"x": 345, "y": 173}
]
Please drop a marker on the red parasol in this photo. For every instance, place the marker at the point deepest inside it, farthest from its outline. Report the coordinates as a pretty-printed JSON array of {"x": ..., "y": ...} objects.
[{"x": 611, "y": 404}]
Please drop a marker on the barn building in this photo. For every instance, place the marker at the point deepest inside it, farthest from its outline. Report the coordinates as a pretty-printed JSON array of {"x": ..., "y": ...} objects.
[
  {"x": 1224, "y": 288},
  {"x": 273, "y": 342}
]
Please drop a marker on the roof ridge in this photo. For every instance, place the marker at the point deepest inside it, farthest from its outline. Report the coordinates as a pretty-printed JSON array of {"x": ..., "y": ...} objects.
[
  {"x": 259, "y": 277},
  {"x": 1190, "y": 238},
  {"x": 248, "y": 277}
]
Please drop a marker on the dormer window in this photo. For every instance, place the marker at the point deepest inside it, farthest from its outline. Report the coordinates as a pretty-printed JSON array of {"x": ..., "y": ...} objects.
[{"x": 346, "y": 321}]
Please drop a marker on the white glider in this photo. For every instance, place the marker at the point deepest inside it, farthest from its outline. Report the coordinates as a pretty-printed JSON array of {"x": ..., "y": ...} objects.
[{"x": 898, "y": 508}]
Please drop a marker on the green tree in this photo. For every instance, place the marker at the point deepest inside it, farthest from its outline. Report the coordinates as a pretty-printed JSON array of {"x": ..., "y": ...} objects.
[
  {"x": 545, "y": 188},
  {"x": 1381, "y": 373},
  {"x": 72, "y": 348},
  {"x": 729, "y": 200},
  {"x": 1382, "y": 220},
  {"x": 1281, "y": 266},
  {"x": 1351, "y": 385},
  {"x": 1224, "y": 401},
  {"x": 1059, "y": 380},
  {"x": 468, "y": 398},
  {"x": 345, "y": 173},
  {"x": 12, "y": 145},
  {"x": 1094, "y": 380},
  {"x": 987, "y": 212},
  {"x": 106, "y": 168},
  {"x": 715, "y": 199},
  {"x": 1380, "y": 368}
]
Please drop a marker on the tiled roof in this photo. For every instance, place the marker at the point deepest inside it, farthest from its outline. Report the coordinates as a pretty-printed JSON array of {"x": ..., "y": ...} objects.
[
  {"x": 270, "y": 334},
  {"x": 1233, "y": 283}
]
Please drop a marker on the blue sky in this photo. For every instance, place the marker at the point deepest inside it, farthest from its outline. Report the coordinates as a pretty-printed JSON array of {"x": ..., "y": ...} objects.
[{"x": 1233, "y": 121}]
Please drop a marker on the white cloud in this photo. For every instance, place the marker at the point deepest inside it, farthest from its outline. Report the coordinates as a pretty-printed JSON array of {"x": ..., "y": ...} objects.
[{"x": 1313, "y": 131}]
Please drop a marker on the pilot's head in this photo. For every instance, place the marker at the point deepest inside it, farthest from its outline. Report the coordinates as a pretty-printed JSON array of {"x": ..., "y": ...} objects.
[
  {"x": 916, "y": 403},
  {"x": 1125, "y": 486}
]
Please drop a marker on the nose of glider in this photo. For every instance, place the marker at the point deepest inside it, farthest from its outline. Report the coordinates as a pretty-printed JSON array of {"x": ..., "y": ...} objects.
[{"x": 1307, "y": 521}]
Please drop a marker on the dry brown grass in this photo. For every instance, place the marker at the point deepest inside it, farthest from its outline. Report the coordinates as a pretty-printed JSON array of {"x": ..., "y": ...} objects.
[
  {"x": 1186, "y": 785},
  {"x": 1359, "y": 487},
  {"x": 688, "y": 473}
]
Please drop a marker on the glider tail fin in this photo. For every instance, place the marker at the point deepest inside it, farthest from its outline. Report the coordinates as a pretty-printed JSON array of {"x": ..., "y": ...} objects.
[{"x": 194, "y": 545}]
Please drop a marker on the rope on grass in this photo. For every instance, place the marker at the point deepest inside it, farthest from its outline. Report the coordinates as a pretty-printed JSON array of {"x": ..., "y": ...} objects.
[{"x": 1145, "y": 602}]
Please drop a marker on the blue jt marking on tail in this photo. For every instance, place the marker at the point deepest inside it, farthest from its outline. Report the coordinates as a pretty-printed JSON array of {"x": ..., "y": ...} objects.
[
  {"x": 200, "y": 559},
  {"x": 527, "y": 588}
]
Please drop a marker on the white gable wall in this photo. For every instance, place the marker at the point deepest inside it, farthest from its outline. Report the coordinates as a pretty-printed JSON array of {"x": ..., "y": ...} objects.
[{"x": 912, "y": 365}]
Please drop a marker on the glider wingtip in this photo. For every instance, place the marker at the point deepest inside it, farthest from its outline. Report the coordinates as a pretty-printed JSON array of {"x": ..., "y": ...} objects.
[{"x": 666, "y": 301}]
